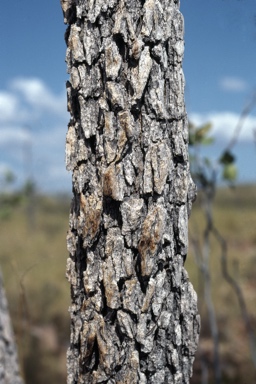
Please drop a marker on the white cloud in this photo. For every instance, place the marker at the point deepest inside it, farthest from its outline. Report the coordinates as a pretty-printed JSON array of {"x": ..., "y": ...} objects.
[
  {"x": 38, "y": 95},
  {"x": 233, "y": 84},
  {"x": 225, "y": 123},
  {"x": 26, "y": 100},
  {"x": 14, "y": 134},
  {"x": 8, "y": 105},
  {"x": 11, "y": 109},
  {"x": 30, "y": 113}
]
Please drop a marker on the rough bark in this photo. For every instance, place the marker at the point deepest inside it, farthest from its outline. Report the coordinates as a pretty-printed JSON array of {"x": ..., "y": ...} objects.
[
  {"x": 134, "y": 312},
  {"x": 9, "y": 372}
]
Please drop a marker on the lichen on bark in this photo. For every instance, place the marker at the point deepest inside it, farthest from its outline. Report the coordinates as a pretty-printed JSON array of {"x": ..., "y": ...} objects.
[{"x": 134, "y": 315}]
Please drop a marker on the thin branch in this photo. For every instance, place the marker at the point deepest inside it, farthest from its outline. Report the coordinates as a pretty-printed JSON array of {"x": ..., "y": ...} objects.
[
  {"x": 246, "y": 111},
  {"x": 203, "y": 263},
  {"x": 239, "y": 294}
]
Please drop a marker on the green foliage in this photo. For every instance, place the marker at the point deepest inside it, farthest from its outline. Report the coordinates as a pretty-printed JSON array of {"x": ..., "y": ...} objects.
[
  {"x": 9, "y": 177},
  {"x": 8, "y": 202},
  {"x": 227, "y": 158},
  {"x": 10, "y": 199},
  {"x": 229, "y": 169},
  {"x": 229, "y": 173},
  {"x": 204, "y": 171},
  {"x": 29, "y": 188},
  {"x": 198, "y": 136}
]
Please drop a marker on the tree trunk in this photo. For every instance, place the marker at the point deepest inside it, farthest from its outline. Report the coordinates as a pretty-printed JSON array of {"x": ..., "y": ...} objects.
[
  {"x": 134, "y": 312},
  {"x": 9, "y": 372}
]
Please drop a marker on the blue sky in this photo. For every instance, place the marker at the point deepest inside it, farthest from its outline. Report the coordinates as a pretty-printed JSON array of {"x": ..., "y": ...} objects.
[
  {"x": 219, "y": 67},
  {"x": 220, "y": 38}
]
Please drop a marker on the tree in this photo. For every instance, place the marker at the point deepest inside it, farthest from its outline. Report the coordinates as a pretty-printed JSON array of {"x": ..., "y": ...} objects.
[
  {"x": 206, "y": 174},
  {"x": 134, "y": 315},
  {"x": 9, "y": 371}
]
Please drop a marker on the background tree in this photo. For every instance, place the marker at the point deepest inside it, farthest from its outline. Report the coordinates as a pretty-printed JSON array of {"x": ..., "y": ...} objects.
[
  {"x": 134, "y": 312},
  {"x": 206, "y": 174},
  {"x": 9, "y": 372}
]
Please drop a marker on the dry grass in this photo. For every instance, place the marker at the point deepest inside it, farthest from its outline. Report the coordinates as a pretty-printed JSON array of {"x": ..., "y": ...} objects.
[
  {"x": 33, "y": 258},
  {"x": 235, "y": 218}
]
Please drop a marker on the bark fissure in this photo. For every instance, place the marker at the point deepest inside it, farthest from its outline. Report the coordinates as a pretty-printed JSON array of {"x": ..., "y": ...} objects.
[{"x": 134, "y": 312}]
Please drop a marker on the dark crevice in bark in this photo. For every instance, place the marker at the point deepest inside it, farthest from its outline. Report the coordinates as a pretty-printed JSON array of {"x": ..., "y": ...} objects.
[
  {"x": 178, "y": 159},
  {"x": 126, "y": 151},
  {"x": 75, "y": 204},
  {"x": 136, "y": 109},
  {"x": 144, "y": 283},
  {"x": 172, "y": 117},
  {"x": 75, "y": 107},
  {"x": 96, "y": 356},
  {"x": 132, "y": 62},
  {"x": 111, "y": 207},
  {"x": 81, "y": 262},
  {"x": 70, "y": 14},
  {"x": 149, "y": 43},
  {"x": 132, "y": 315},
  {"x": 109, "y": 315},
  {"x": 129, "y": 88},
  {"x": 139, "y": 22},
  {"x": 118, "y": 39},
  {"x": 93, "y": 144},
  {"x": 66, "y": 35},
  {"x": 137, "y": 106},
  {"x": 104, "y": 300},
  {"x": 79, "y": 163},
  {"x": 172, "y": 368},
  {"x": 184, "y": 259},
  {"x": 142, "y": 355},
  {"x": 120, "y": 283},
  {"x": 121, "y": 335},
  {"x": 143, "y": 280}
]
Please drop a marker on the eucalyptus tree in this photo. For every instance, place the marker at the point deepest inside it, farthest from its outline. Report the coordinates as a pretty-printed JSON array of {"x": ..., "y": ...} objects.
[{"x": 134, "y": 315}]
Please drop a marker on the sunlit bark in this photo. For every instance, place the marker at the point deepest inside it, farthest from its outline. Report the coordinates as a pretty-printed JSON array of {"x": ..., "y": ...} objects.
[{"x": 134, "y": 312}]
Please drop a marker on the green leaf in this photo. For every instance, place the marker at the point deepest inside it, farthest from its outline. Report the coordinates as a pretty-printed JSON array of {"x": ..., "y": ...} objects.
[
  {"x": 191, "y": 139},
  {"x": 199, "y": 135},
  {"x": 227, "y": 158},
  {"x": 9, "y": 177},
  {"x": 207, "y": 140},
  {"x": 203, "y": 131},
  {"x": 229, "y": 172}
]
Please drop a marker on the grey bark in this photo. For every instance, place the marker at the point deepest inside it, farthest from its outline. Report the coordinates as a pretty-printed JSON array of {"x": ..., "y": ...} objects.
[
  {"x": 9, "y": 371},
  {"x": 134, "y": 315}
]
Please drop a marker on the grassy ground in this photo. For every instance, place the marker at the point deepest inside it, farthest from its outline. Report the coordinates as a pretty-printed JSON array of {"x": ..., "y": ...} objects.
[
  {"x": 235, "y": 217},
  {"x": 33, "y": 257}
]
